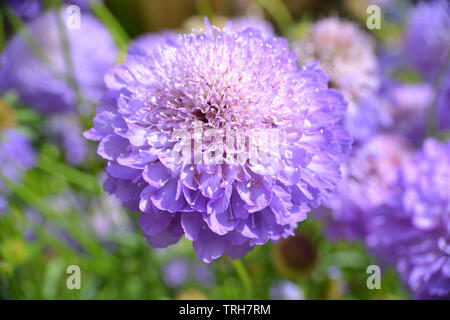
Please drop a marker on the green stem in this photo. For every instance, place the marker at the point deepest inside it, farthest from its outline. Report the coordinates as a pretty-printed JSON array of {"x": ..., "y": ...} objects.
[
  {"x": 68, "y": 60},
  {"x": 279, "y": 12},
  {"x": 119, "y": 34},
  {"x": 244, "y": 276}
]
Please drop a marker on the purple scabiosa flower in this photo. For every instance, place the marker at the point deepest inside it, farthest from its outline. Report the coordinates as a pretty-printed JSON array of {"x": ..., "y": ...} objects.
[
  {"x": 427, "y": 38},
  {"x": 16, "y": 154},
  {"x": 370, "y": 179},
  {"x": 443, "y": 104},
  {"x": 175, "y": 272},
  {"x": 286, "y": 290},
  {"x": 220, "y": 80},
  {"x": 44, "y": 86},
  {"x": 414, "y": 232},
  {"x": 347, "y": 55},
  {"x": 345, "y": 52}
]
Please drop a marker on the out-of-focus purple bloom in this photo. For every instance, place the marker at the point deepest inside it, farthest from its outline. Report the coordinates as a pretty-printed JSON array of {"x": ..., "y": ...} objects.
[
  {"x": 407, "y": 106},
  {"x": 3, "y": 204},
  {"x": 414, "y": 232},
  {"x": 427, "y": 38},
  {"x": 16, "y": 157},
  {"x": 366, "y": 117},
  {"x": 65, "y": 130},
  {"x": 175, "y": 272},
  {"x": 180, "y": 270},
  {"x": 108, "y": 217},
  {"x": 345, "y": 52},
  {"x": 347, "y": 55},
  {"x": 44, "y": 85},
  {"x": 370, "y": 179},
  {"x": 25, "y": 9},
  {"x": 286, "y": 290},
  {"x": 222, "y": 79},
  {"x": 30, "y": 9},
  {"x": 203, "y": 274},
  {"x": 443, "y": 104}
]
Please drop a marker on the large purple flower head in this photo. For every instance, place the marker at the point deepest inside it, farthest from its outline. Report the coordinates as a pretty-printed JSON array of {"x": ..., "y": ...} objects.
[
  {"x": 443, "y": 103},
  {"x": 427, "y": 39},
  {"x": 179, "y": 122},
  {"x": 414, "y": 234},
  {"x": 43, "y": 85},
  {"x": 370, "y": 179}
]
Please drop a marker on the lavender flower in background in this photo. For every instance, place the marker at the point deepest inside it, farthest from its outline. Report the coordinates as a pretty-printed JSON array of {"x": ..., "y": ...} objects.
[
  {"x": 370, "y": 179},
  {"x": 347, "y": 54},
  {"x": 44, "y": 85},
  {"x": 203, "y": 274},
  {"x": 286, "y": 290},
  {"x": 16, "y": 153},
  {"x": 443, "y": 104},
  {"x": 414, "y": 233},
  {"x": 175, "y": 272},
  {"x": 223, "y": 79},
  {"x": 407, "y": 106},
  {"x": 30, "y": 9},
  {"x": 427, "y": 38},
  {"x": 108, "y": 218},
  {"x": 65, "y": 130},
  {"x": 180, "y": 270},
  {"x": 25, "y": 9}
]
